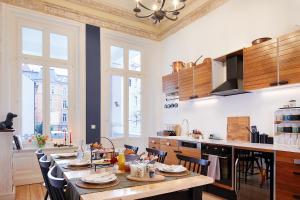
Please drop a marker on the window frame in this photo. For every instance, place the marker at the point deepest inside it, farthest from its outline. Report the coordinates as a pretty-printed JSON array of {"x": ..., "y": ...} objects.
[
  {"x": 47, "y": 62},
  {"x": 126, "y": 74}
]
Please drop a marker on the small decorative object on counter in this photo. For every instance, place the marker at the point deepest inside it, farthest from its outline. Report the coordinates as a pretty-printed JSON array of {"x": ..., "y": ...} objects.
[
  {"x": 197, "y": 134},
  {"x": 292, "y": 103},
  {"x": 8, "y": 123}
]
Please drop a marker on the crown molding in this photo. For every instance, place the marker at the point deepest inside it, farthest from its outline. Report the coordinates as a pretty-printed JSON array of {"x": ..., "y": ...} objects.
[{"x": 99, "y": 14}]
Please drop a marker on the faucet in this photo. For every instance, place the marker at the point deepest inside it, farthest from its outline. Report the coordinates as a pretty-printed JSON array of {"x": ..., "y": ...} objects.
[{"x": 187, "y": 126}]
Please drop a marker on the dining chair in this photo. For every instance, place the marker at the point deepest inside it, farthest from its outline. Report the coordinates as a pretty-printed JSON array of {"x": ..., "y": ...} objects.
[
  {"x": 160, "y": 154},
  {"x": 133, "y": 148},
  {"x": 39, "y": 153},
  {"x": 57, "y": 184},
  {"x": 45, "y": 166},
  {"x": 194, "y": 164}
]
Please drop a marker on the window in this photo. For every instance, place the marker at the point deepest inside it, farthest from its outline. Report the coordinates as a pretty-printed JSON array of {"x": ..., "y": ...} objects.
[
  {"x": 125, "y": 91},
  {"x": 45, "y": 85}
]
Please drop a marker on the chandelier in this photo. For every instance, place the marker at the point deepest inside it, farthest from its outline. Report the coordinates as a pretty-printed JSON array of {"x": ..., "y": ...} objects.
[{"x": 158, "y": 11}]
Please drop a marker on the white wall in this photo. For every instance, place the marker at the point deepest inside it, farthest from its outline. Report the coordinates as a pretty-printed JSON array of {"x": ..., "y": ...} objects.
[{"x": 229, "y": 28}]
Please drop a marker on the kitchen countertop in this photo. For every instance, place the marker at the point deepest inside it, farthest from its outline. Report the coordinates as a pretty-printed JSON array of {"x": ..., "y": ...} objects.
[{"x": 237, "y": 144}]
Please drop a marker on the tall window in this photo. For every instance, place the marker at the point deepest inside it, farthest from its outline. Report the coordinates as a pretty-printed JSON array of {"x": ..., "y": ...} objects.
[
  {"x": 45, "y": 64},
  {"x": 125, "y": 91}
]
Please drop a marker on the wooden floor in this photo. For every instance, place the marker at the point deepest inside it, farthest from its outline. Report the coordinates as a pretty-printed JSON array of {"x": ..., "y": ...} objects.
[{"x": 37, "y": 192}]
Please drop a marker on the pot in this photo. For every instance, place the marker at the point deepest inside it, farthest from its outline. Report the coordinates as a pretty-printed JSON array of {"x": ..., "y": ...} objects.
[
  {"x": 177, "y": 66},
  {"x": 260, "y": 40},
  {"x": 193, "y": 64}
]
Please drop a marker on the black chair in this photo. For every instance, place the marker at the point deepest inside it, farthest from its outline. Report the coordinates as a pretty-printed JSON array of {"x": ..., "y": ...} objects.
[
  {"x": 194, "y": 164},
  {"x": 57, "y": 185},
  {"x": 160, "y": 154},
  {"x": 133, "y": 148},
  {"x": 39, "y": 153},
  {"x": 45, "y": 166}
]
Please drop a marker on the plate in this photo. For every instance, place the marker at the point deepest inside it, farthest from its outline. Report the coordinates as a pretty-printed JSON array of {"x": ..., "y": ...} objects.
[
  {"x": 101, "y": 162},
  {"x": 78, "y": 163},
  {"x": 66, "y": 155},
  {"x": 102, "y": 178},
  {"x": 171, "y": 168}
]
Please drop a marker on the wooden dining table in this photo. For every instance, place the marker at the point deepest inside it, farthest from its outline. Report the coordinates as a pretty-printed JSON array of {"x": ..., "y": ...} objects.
[{"x": 187, "y": 187}]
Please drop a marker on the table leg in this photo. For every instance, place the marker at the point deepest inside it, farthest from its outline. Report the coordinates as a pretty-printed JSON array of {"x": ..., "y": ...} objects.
[{"x": 196, "y": 193}]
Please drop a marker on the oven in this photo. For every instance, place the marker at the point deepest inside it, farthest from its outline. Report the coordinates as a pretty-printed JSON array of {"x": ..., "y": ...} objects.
[{"x": 225, "y": 154}]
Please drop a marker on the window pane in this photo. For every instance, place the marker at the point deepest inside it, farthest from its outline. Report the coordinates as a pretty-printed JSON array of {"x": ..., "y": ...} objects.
[
  {"x": 134, "y": 107},
  {"x": 32, "y": 100},
  {"x": 32, "y": 42},
  {"x": 58, "y": 104},
  {"x": 117, "y": 107},
  {"x": 134, "y": 60},
  {"x": 116, "y": 57},
  {"x": 58, "y": 46}
]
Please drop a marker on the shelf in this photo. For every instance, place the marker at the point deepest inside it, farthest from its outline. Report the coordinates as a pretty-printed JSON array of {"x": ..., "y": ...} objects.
[
  {"x": 279, "y": 133},
  {"x": 290, "y": 121},
  {"x": 289, "y": 108}
]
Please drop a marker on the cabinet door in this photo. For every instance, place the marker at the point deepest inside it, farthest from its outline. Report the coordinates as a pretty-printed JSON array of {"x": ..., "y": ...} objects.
[
  {"x": 260, "y": 65},
  {"x": 203, "y": 79},
  {"x": 287, "y": 175},
  {"x": 186, "y": 84},
  {"x": 289, "y": 58},
  {"x": 154, "y": 143},
  {"x": 170, "y": 146},
  {"x": 170, "y": 83}
]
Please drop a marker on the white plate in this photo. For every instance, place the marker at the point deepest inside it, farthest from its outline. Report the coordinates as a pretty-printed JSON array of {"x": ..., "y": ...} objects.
[
  {"x": 171, "y": 168},
  {"x": 66, "y": 155},
  {"x": 102, "y": 178},
  {"x": 78, "y": 163}
]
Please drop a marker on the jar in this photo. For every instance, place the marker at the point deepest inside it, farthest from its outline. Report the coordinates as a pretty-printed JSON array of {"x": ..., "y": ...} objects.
[
  {"x": 279, "y": 128},
  {"x": 295, "y": 128},
  {"x": 292, "y": 103},
  {"x": 287, "y": 128}
]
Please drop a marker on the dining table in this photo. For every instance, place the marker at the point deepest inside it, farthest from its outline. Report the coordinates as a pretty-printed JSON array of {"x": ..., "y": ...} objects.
[{"x": 188, "y": 187}]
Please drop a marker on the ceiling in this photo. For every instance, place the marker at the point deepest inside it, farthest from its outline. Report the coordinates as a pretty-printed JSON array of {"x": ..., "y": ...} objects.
[{"x": 118, "y": 15}]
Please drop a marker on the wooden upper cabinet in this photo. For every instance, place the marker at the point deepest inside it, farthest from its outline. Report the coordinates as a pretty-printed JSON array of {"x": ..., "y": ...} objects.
[
  {"x": 203, "y": 79},
  {"x": 260, "y": 65},
  {"x": 186, "y": 84},
  {"x": 170, "y": 83},
  {"x": 289, "y": 58}
]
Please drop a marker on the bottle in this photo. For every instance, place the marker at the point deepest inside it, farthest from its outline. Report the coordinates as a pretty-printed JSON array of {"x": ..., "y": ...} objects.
[{"x": 80, "y": 151}]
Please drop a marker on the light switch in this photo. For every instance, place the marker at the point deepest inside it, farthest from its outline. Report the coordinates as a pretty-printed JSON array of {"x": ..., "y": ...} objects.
[{"x": 93, "y": 126}]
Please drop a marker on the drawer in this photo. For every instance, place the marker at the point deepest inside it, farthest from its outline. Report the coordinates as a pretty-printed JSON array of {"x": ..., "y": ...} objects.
[
  {"x": 191, "y": 152},
  {"x": 285, "y": 195},
  {"x": 168, "y": 142},
  {"x": 153, "y": 146},
  {"x": 288, "y": 157}
]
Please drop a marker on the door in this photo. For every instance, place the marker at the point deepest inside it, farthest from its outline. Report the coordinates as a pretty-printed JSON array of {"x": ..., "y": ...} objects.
[
  {"x": 260, "y": 65},
  {"x": 289, "y": 58}
]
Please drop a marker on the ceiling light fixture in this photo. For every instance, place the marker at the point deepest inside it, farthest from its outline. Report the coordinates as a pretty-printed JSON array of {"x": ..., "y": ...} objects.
[{"x": 158, "y": 11}]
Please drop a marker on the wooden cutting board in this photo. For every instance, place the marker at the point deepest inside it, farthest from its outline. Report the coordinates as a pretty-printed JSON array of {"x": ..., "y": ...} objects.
[{"x": 237, "y": 128}]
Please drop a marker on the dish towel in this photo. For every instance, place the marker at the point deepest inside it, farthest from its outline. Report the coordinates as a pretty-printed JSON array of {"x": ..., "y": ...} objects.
[{"x": 214, "y": 167}]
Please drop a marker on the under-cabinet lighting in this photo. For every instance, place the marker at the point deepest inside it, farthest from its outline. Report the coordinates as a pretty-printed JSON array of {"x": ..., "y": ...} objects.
[{"x": 280, "y": 90}]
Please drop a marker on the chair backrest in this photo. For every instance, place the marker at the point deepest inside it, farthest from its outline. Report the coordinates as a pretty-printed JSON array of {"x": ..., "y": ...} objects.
[
  {"x": 56, "y": 184},
  {"x": 133, "y": 148},
  {"x": 194, "y": 164},
  {"x": 160, "y": 154},
  {"x": 45, "y": 166},
  {"x": 39, "y": 153}
]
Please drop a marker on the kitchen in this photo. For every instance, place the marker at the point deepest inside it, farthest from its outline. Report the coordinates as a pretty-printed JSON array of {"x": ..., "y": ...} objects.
[{"x": 196, "y": 87}]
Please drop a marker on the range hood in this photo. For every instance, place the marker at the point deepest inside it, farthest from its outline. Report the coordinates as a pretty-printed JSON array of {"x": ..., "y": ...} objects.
[{"x": 234, "y": 77}]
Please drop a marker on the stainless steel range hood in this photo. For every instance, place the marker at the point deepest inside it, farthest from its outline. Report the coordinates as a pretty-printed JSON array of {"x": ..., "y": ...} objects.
[{"x": 234, "y": 77}]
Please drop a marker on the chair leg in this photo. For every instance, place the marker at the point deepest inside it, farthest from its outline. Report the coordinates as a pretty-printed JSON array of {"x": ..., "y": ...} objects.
[{"x": 46, "y": 195}]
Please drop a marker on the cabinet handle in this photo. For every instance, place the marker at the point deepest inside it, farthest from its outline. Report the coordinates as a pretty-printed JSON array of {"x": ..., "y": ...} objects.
[
  {"x": 168, "y": 143},
  {"x": 175, "y": 151},
  {"x": 296, "y": 173},
  {"x": 274, "y": 83},
  {"x": 283, "y": 82},
  {"x": 297, "y": 161},
  {"x": 153, "y": 142},
  {"x": 297, "y": 197}
]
